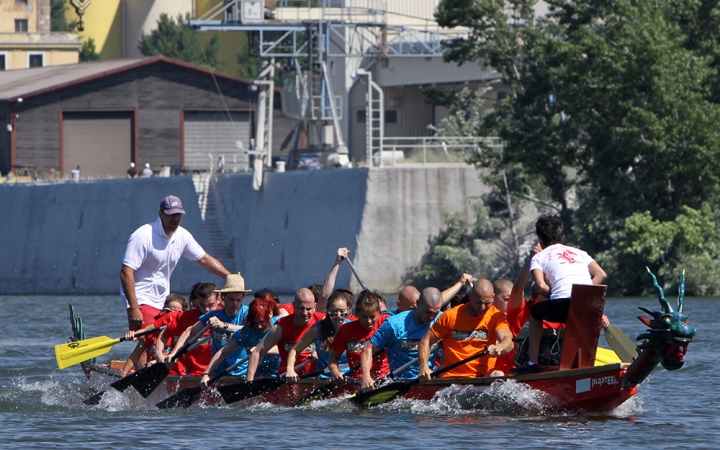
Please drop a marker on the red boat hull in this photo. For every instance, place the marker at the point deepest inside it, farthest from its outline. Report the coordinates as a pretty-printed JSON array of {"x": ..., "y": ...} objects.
[{"x": 593, "y": 389}]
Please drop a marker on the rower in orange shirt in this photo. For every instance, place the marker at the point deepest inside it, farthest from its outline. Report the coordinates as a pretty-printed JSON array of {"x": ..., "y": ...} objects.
[{"x": 466, "y": 330}]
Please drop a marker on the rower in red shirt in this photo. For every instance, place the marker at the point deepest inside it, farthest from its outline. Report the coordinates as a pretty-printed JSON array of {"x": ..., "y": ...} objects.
[
  {"x": 287, "y": 332},
  {"x": 352, "y": 337},
  {"x": 204, "y": 299}
]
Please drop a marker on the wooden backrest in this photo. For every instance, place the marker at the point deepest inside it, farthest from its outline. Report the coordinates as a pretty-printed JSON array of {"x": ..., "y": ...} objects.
[{"x": 583, "y": 326}]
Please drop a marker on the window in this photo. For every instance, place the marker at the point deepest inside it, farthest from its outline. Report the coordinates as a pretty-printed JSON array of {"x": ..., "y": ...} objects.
[
  {"x": 35, "y": 60},
  {"x": 391, "y": 116},
  {"x": 501, "y": 95},
  {"x": 21, "y": 25},
  {"x": 21, "y": 2},
  {"x": 3, "y": 63}
]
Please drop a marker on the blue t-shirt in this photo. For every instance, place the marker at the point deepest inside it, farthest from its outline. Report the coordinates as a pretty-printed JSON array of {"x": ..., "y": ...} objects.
[
  {"x": 221, "y": 337},
  {"x": 247, "y": 338},
  {"x": 400, "y": 335},
  {"x": 323, "y": 353}
]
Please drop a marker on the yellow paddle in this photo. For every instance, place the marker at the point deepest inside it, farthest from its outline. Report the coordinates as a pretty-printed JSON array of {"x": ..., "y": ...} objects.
[
  {"x": 80, "y": 351},
  {"x": 606, "y": 356}
]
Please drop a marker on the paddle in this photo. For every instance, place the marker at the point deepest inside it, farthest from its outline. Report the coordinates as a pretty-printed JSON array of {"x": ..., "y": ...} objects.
[
  {"x": 76, "y": 352},
  {"x": 325, "y": 390},
  {"x": 188, "y": 396},
  {"x": 352, "y": 269},
  {"x": 124, "y": 383},
  {"x": 151, "y": 377},
  {"x": 391, "y": 391},
  {"x": 240, "y": 391},
  {"x": 621, "y": 344}
]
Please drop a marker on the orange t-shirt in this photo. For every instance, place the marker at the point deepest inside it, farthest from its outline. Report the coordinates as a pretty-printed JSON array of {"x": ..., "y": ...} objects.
[{"x": 464, "y": 336}]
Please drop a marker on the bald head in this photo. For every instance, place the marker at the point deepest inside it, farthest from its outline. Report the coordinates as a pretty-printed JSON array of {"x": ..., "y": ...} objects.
[
  {"x": 304, "y": 303},
  {"x": 483, "y": 286},
  {"x": 503, "y": 288},
  {"x": 408, "y": 298},
  {"x": 428, "y": 306},
  {"x": 303, "y": 294}
]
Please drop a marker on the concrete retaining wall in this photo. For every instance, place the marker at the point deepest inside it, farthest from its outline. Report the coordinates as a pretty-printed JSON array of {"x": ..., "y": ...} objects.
[{"x": 70, "y": 238}]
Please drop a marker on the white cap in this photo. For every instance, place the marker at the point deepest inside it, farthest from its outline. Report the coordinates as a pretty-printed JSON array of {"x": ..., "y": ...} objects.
[
  {"x": 147, "y": 165},
  {"x": 132, "y": 164}
]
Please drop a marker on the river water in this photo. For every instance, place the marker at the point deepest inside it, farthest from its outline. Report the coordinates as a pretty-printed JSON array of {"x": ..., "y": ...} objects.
[{"x": 41, "y": 406}]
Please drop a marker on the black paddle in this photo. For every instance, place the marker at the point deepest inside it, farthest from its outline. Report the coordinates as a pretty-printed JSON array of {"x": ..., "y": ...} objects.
[
  {"x": 392, "y": 391},
  {"x": 151, "y": 377},
  {"x": 327, "y": 389},
  {"x": 241, "y": 391},
  {"x": 122, "y": 384},
  {"x": 188, "y": 396}
]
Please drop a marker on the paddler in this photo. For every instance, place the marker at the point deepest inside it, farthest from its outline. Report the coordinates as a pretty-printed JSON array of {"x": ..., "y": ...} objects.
[
  {"x": 400, "y": 335},
  {"x": 465, "y": 331},
  {"x": 287, "y": 332},
  {"x": 223, "y": 322}
]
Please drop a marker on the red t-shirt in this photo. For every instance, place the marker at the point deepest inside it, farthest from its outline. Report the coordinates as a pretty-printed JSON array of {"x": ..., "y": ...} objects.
[
  {"x": 289, "y": 307},
  {"x": 291, "y": 335},
  {"x": 195, "y": 361},
  {"x": 351, "y": 338}
]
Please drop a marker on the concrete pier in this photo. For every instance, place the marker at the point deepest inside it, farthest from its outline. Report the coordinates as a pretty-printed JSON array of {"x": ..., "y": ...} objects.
[{"x": 69, "y": 238}]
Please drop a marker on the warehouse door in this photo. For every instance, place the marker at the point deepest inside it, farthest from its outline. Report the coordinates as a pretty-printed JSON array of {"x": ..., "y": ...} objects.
[
  {"x": 210, "y": 135},
  {"x": 100, "y": 142}
]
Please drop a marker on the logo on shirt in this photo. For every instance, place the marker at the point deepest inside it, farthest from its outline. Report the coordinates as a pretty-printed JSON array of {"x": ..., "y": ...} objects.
[
  {"x": 410, "y": 345},
  {"x": 474, "y": 335},
  {"x": 356, "y": 346},
  {"x": 568, "y": 257}
]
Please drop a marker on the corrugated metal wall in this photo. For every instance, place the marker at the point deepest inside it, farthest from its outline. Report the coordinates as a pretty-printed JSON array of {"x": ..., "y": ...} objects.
[{"x": 159, "y": 92}]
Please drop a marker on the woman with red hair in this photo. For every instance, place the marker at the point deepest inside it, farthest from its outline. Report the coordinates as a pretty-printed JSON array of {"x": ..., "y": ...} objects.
[{"x": 261, "y": 317}]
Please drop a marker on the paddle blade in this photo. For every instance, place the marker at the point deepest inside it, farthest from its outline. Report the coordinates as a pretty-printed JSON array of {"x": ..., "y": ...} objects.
[
  {"x": 94, "y": 400},
  {"x": 182, "y": 399},
  {"x": 606, "y": 356},
  {"x": 320, "y": 393},
  {"x": 150, "y": 378},
  {"x": 241, "y": 391},
  {"x": 621, "y": 344},
  {"x": 381, "y": 395},
  {"x": 124, "y": 383},
  {"x": 76, "y": 352}
]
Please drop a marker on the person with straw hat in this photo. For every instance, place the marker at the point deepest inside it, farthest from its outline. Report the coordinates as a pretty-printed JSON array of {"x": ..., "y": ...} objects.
[{"x": 223, "y": 322}]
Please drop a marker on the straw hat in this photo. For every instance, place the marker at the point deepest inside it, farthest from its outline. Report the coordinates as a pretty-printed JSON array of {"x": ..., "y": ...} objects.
[{"x": 234, "y": 283}]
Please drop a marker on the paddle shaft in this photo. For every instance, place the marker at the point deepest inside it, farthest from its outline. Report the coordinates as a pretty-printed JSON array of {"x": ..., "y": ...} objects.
[
  {"x": 228, "y": 370},
  {"x": 190, "y": 344},
  {"x": 144, "y": 333},
  {"x": 352, "y": 269}
]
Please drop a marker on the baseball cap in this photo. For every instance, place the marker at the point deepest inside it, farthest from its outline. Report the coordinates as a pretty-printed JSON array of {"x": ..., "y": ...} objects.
[{"x": 171, "y": 205}]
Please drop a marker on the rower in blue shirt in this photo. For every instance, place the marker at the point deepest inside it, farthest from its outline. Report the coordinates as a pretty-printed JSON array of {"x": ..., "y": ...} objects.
[{"x": 400, "y": 334}]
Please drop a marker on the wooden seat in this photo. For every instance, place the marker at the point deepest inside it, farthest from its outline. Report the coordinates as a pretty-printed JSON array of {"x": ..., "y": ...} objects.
[{"x": 583, "y": 326}]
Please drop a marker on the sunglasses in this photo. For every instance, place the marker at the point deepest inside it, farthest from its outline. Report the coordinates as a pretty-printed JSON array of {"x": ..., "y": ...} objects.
[{"x": 337, "y": 313}]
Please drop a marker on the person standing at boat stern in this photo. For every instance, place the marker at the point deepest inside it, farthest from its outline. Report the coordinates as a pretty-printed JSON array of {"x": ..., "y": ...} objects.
[
  {"x": 151, "y": 255},
  {"x": 400, "y": 336},
  {"x": 555, "y": 269},
  {"x": 465, "y": 331}
]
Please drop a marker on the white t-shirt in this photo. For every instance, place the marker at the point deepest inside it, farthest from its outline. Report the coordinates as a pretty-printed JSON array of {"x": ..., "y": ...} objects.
[
  {"x": 563, "y": 266},
  {"x": 153, "y": 257}
]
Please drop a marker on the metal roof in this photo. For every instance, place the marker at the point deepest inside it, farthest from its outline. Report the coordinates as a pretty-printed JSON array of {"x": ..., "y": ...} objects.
[{"x": 20, "y": 83}]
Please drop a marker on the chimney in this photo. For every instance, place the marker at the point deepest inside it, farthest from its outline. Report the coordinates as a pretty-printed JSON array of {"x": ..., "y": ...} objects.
[{"x": 43, "y": 16}]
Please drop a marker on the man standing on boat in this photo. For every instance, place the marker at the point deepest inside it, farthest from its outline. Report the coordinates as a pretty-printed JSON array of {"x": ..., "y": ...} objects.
[
  {"x": 466, "y": 330},
  {"x": 400, "y": 335},
  {"x": 151, "y": 255}
]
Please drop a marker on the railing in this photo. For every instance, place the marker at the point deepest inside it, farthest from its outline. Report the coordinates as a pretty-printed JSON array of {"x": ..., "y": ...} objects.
[{"x": 432, "y": 149}]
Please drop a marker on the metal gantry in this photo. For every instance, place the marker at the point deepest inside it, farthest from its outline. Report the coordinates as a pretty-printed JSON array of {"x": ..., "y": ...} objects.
[{"x": 305, "y": 33}]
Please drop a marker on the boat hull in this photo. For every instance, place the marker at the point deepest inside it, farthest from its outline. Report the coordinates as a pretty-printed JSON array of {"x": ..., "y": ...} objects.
[{"x": 594, "y": 389}]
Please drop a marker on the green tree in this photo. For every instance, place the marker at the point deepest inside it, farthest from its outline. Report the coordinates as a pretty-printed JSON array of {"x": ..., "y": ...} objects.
[
  {"x": 58, "y": 21},
  {"x": 88, "y": 52},
  {"x": 173, "y": 39}
]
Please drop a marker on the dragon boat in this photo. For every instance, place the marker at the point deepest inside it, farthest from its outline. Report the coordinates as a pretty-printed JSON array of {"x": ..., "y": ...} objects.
[{"x": 575, "y": 385}]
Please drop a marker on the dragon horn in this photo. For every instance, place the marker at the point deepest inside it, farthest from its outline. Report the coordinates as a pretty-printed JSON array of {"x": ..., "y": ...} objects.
[
  {"x": 681, "y": 292},
  {"x": 667, "y": 308}
]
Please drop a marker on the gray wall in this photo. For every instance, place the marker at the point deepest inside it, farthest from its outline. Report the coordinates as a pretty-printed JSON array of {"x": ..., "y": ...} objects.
[{"x": 69, "y": 238}]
